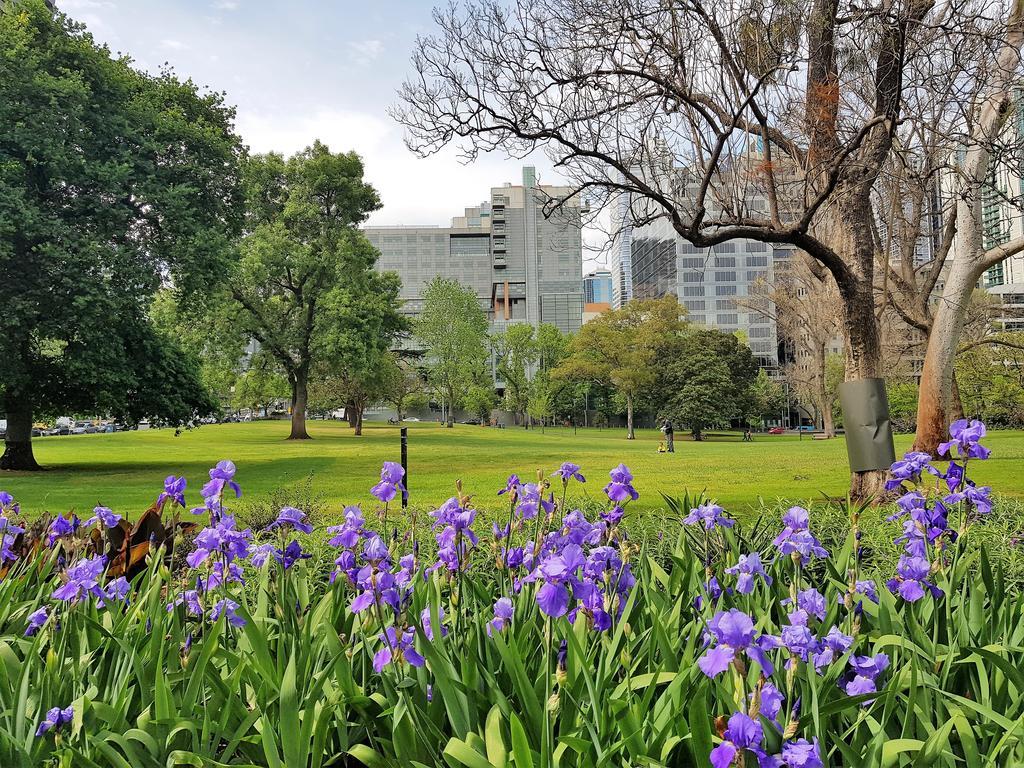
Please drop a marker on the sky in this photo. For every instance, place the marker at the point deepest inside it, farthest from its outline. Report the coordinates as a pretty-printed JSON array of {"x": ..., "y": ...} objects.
[{"x": 309, "y": 69}]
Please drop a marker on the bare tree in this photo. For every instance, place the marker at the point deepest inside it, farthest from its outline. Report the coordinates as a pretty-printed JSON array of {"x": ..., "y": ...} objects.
[
  {"x": 697, "y": 109},
  {"x": 804, "y": 302}
]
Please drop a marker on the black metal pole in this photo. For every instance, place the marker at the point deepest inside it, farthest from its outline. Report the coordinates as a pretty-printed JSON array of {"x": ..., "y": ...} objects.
[{"x": 405, "y": 465}]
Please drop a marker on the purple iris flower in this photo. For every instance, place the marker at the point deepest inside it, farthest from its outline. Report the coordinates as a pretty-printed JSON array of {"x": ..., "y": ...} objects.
[
  {"x": 261, "y": 554},
  {"x": 7, "y": 503},
  {"x": 832, "y": 647},
  {"x": 83, "y": 580},
  {"x": 55, "y": 719},
  {"x": 347, "y": 534},
  {"x": 613, "y": 515},
  {"x": 221, "y": 477},
  {"x": 742, "y": 733},
  {"x": 955, "y": 474},
  {"x": 397, "y": 648},
  {"x": 8, "y": 535},
  {"x": 220, "y": 538},
  {"x": 378, "y": 588},
  {"x": 511, "y": 485},
  {"x": 797, "y": 636},
  {"x": 733, "y": 632},
  {"x": 864, "y": 675},
  {"x": 531, "y": 502},
  {"x": 428, "y": 628},
  {"x": 771, "y": 702},
  {"x": 190, "y": 599},
  {"x": 117, "y": 589},
  {"x": 233, "y": 574},
  {"x": 620, "y": 489},
  {"x": 291, "y": 554},
  {"x": 747, "y": 569},
  {"x": 577, "y": 529},
  {"x": 503, "y": 611},
  {"x": 391, "y": 474},
  {"x": 227, "y": 608},
  {"x": 931, "y": 520},
  {"x": 965, "y": 437},
  {"x": 559, "y": 572},
  {"x": 568, "y": 471},
  {"x": 796, "y": 538},
  {"x": 910, "y": 468},
  {"x": 174, "y": 490},
  {"x": 977, "y": 499},
  {"x": 103, "y": 515},
  {"x": 811, "y": 601},
  {"x": 290, "y": 517},
  {"x": 61, "y": 527},
  {"x": 911, "y": 579},
  {"x": 36, "y": 620},
  {"x": 710, "y": 515},
  {"x": 802, "y": 754}
]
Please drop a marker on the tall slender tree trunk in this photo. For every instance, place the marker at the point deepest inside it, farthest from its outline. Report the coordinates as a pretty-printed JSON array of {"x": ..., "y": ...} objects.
[
  {"x": 935, "y": 394},
  {"x": 449, "y": 421},
  {"x": 956, "y": 403},
  {"x": 300, "y": 397},
  {"x": 630, "y": 434},
  {"x": 358, "y": 425},
  {"x": 18, "y": 441}
]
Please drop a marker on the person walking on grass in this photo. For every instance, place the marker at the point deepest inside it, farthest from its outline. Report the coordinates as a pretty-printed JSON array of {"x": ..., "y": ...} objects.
[{"x": 670, "y": 443}]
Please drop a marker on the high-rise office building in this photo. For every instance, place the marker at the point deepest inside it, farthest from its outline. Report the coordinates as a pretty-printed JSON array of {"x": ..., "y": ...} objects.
[
  {"x": 597, "y": 287},
  {"x": 622, "y": 252},
  {"x": 523, "y": 266}
]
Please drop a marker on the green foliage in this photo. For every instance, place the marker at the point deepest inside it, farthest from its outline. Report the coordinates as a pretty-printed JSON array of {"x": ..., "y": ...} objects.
[
  {"x": 621, "y": 349},
  {"x": 295, "y": 687},
  {"x": 304, "y": 285},
  {"x": 113, "y": 184},
  {"x": 480, "y": 400},
  {"x": 453, "y": 329},
  {"x": 767, "y": 399},
  {"x": 708, "y": 380},
  {"x": 516, "y": 351},
  {"x": 991, "y": 380},
  {"x": 903, "y": 405},
  {"x": 259, "y": 385}
]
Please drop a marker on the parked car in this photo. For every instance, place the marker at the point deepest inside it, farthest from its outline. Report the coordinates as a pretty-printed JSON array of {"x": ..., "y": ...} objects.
[
  {"x": 776, "y": 431},
  {"x": 806, "y": 428}
]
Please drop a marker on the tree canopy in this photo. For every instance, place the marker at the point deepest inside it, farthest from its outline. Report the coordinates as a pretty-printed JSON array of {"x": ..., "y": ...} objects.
[
  {"x": 113, "y": 184},
  {"x": 304, "y": 284},
  {"x": 453, "y": 330}
]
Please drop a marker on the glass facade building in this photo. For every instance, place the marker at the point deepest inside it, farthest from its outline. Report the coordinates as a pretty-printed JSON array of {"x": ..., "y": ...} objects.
[{"x": 597, "y": 287}]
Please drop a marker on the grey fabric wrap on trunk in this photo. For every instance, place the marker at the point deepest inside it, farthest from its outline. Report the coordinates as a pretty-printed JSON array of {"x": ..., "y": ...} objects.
[{"x": 866, "y": 421}]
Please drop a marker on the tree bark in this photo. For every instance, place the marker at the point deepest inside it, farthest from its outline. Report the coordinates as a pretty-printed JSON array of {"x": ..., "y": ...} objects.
[
  {"x": 936, "y": 389},
  {"x": 300, "y": 397},
  {"x": 956, "y": 404},
  {"x": 18, "y": 442},
  {"x": 358, "y": 419},
  {"x": 630, "y": 434},
  {"x": 450, "y": 418}
]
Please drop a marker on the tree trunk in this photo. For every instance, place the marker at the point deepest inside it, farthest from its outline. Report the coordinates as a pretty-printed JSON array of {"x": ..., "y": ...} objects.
[
  {"x": 935, "y": 393},
  {"x": 18, "y": 442},
  {"x": 449, "y": 421},
  {"x": 828, "y": 422},
  {"x": 300, "y": 397},
  {"x": 853, "y": 239},
  {"x": 956, "y": 404},
  {"x": 630, "y": 435},
  {"x": 359, "y": 419}
]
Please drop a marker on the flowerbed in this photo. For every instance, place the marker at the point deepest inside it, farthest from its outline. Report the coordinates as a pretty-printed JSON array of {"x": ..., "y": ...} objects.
[{"x": 179, "y": 642}]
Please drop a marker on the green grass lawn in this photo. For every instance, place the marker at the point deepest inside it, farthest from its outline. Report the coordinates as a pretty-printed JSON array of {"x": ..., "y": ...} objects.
[{"x": 126, "y": 470}]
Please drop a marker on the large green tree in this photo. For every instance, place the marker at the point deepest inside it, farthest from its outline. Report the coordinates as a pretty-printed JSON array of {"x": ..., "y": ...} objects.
[
  {"x": 453, "y": 330},
  {"x": 305, "y": 271},
  {"x": 622, "y": 349},
  {"x": 113, "y": 184},
  {"x": 515, "y": 351},
  {"x": 707, "y": 380}
]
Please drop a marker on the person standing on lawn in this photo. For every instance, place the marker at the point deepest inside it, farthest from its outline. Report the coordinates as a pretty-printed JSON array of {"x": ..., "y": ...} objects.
[{"x": 670, "y": 445}]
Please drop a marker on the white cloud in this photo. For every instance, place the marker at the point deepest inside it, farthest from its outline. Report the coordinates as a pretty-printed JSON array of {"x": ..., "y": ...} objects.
[
  {"x": 362, "y": 53},
  {"x": 227, "y": 5},
  {"x": 173, "y": 45}
]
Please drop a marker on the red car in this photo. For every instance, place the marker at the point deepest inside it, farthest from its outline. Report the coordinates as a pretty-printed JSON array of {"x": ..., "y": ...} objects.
[{"x": 776, "y": 431}]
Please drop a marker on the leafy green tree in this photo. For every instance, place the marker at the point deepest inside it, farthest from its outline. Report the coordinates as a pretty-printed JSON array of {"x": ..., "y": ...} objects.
[
  {"x": 903, "y": 405},
  {"x": 402, "y": 385},
  {"x": 515, "y": 350},
  {"x": 113, "y": 184},
  {"x": 621, "y": 349},
  {"x": 541, "y": 404},
  {"x": 990, "y": 376},
  {"x": 259, "y": 385},
  {"x": 305, "y": 281},
  {"x": 480, "y": 399},
  {"x": 767, "y": 399},
  {"x": 708, "y": 380},
  {"x": 552, "y": 346},
  {"x": 453, "y": 329}
]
